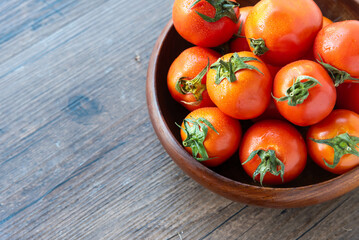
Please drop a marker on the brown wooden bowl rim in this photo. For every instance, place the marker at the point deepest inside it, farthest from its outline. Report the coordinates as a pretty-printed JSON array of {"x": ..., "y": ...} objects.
[{"x": 272, "y": 195}]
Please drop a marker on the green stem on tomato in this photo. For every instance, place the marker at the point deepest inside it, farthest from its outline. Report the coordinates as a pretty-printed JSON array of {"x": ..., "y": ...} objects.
[
  {"x": 342, "y": 144},
  {"x": 224, "y": 8},
  {"x": 299, "y": 91},
  {"x": 269, "y": 163},
  {"x": 196, "y": 131},
  {"x": 227, "y": 69}
]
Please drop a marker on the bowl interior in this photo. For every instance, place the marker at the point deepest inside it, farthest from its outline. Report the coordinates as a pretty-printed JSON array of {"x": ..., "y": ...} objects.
[{"x": 173, "y": 112}]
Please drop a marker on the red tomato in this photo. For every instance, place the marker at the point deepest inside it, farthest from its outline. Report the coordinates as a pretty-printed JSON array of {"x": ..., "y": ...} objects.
[
  {"x": 282, "y": 31},
  {"x": 240, "y": 85},
  {"x": 240, "y": 43},
  {"x": 186, "y": 79},
  {"x": 210, "y": 136},
  {"x": 205, "y": 22},
  {"x": 337, "y": 47},
  {"x": 310, "y": 55},
  {"x": 348, "y": 96},
  {"x": 326, "y": 22},
  {"x": 273, "y": 152},
  {"x": 304, "y": 92},
  {"x": 270, "y": 113},
  {"x": 333, "y": 143}
]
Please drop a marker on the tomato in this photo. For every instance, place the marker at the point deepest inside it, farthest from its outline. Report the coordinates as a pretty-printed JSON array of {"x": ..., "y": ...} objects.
[
  {"x": 240, "y": 85},
  {"x": 240, "y": 43},
  {"x": 310, "y": 55},
  {"x": 282, "y": 31},
  {"x": 348, "y": 96},
  {"x": 326, "y": 22},
  {"x": 270, "y": 113},
  {"x": 186, "y": 79},
  {"x": 333, "y": 143},
  {"x": 304, "y": 92},
  {"x": 273, "y": 152},
  {"x": 206, "y": 23},
  {"x": 337, "y": 48},
  {"x": 210, "y": 136}
]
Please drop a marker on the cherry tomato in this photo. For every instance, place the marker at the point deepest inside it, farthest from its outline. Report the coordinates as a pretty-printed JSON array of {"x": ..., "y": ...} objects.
[
  {"x": 348, "y": 96},
  {"x": 240, "y": 85},
  {"x": 337, "y": 48},
  {"x": 282, "y": 31},
  {"x": 240, "y": 43},
  {"x": 333, "y": 143},
  {"x": 206, "y": 23},
  {"x": 310, "y": 55},
  {"x": 326, "y": 22},
  {"x": 304, "y": 92},
  {"x": 210, "y": 136},
  {"x": 270, "y": 113},
  {"x": 273, "y": 152},
  {"x": 186, "y": 79}
]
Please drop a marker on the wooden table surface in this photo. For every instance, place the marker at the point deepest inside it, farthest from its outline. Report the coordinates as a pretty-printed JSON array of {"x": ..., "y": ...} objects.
[{"x": 79, "y": 157}]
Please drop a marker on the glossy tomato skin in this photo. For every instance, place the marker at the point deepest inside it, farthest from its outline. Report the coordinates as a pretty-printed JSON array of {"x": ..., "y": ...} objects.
[
  {"x": 338, "y": 122},
  {"x": 276, "y": 135},
  {"x": 326, "y": 22},
  {"x": 287, "y": 27},
  {"x": 321, "y": 99},
  {"x": 270, "y": 113},
  {"x": 338, "y": 45},
  {"x": 240, "y": 44},
  {"x": 348, "y": 96},
  {"x": 196, "y": 30},
  {"x": 310, "y": 55},
  {"x": 248, "y": 96},
  {"x": 219, "y": 146},
  {"x": 189, "y": 64}
]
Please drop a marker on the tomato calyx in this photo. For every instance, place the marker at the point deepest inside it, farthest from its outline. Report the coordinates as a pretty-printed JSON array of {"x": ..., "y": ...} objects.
[
  {"x": 194, "y": 86},
  {"x": 224, "y": 8},
  {"x": 342, "y": 144},
  {"x": 269, "y": 163},
  {"x": 259, "y": 46},
  {"x": 299, "y": 91},
  {"x": 196, "y": 131},
  {"x": 338, "y": 76},
  {"x": 227, "y": 69}
]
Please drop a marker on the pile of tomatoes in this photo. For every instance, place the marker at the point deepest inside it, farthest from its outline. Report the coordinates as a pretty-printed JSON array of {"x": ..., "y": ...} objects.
[{"x": 274, "y": 65}]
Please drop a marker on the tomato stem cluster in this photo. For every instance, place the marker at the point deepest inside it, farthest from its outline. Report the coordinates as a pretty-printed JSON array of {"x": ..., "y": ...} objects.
[
  {"x": 337, "y": 75},
  {"x": 227, "y": 69},
  {"x": 269, "y": 163},
  {"x": 194, "y": 86},
  {"x": 196, "y": 131},
  {"x": 299, "y": 91},
  {"x": 342, "y": 144},
  {"x": 224, "y": 8},
  {"x": 258, "y": 45}
]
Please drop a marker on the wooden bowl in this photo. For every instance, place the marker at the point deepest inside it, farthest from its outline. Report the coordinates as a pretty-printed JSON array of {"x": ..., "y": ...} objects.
[{"x": 313, "y": 186}]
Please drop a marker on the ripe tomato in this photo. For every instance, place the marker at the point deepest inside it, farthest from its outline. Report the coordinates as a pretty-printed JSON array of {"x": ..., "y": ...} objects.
[
  {"x": 186, "y": 79},
  {"x": 240, "y": 43},
  {"x": 210, "y": 136},
  {"x": 326, "y": 22},
  {"x": 337, "y": 48},
  {"x": 240, "y": 85},
  {"x": 304, "y": 92},
  {"x": 273, "y": 152},
  {"x": 206, "y": 23},
  {"x": 270, "y": 113},
  {"x": 282, "y": 31},
  {"x": 348, "y": 96},
  {"x": 310, "y": 55},
  {"x": 333, "y": 143}
]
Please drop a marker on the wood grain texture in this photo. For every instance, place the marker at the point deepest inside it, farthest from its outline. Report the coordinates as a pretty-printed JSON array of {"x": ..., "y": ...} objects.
[{"x": 78, "y": 156}]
